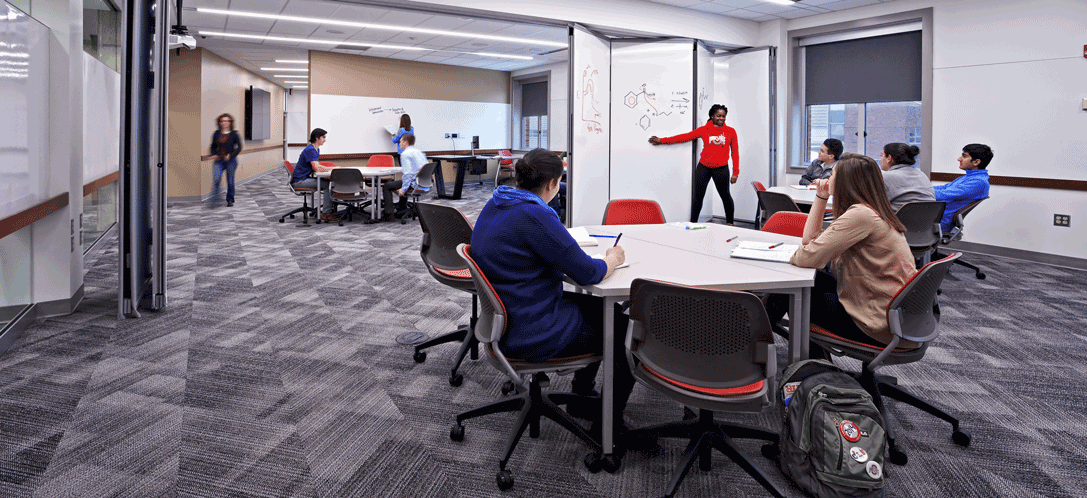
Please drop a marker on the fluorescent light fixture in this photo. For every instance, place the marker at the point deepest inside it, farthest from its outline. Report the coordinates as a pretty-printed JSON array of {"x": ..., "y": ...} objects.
[
  {"x": 503, "y": 56},
  {"x": 362, "y": 25},
  {"x": 289, "y": 69},
  {"x": 303, "y": 86},
  {"x": 291, "y": 61},
  {"x": 297, "y": 76},
  {"x": 299, "y": 82},
  {"x": 789, "y": 3},
  {"x": 307, "y": 40}
]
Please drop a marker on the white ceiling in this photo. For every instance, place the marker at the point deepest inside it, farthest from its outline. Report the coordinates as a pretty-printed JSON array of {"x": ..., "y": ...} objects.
[{"x": 253, "y": 55}]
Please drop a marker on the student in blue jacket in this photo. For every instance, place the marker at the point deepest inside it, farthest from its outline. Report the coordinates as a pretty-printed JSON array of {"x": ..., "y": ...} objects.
[
  {"x": 525, "y": 251},
  {"x": 965, "y": 189},
  {"x": 405, "y": 129}
]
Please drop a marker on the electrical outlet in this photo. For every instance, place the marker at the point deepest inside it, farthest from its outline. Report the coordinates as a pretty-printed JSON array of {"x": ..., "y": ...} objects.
[
  {"x": 1062, "y": 220},
  {"x": 455, "y": 136},
  {"x": 446, "y": 135}
]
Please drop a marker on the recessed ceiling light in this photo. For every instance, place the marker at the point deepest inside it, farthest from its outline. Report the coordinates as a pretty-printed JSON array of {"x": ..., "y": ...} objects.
[
  {"x": 789, "y": 3},
  {"x": 296, "y": 76},
  {"x": 292, "y": 61},
  {"x": 289, "y": 69},
  {"x": 299, "y": 82},
  {"x": 405, "y": 29},
  {"x": 306, "y": 40},
  {"x": 302, "y": 86}
]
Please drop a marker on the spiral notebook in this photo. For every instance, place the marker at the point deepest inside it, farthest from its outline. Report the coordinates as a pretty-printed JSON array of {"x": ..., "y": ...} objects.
[{"x": 762, "y": 251}]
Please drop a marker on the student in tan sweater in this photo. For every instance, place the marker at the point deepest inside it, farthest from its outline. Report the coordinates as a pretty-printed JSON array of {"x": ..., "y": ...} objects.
[{"x": 867, "y": 251}]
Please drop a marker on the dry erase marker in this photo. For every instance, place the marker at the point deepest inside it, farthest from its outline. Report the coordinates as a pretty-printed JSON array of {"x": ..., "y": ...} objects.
[
  {"x": 775, "y": 245},
  {"x": 617, "y": 240}
]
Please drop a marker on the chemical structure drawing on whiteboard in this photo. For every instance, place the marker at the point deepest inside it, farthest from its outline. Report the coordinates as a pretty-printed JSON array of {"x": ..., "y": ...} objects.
[
  {"x": 586, "y": 93},
  {"x": 702, "y": 97},
  {"x": 650, "y": 105}
]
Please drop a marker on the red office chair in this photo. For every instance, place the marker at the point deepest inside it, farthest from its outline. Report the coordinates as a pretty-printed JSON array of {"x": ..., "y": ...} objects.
[
  {"x": 633, "y": 212},
  {"x": 786, "y": 223},
  {"x": 504, "y": 166},
  {"x": 759, "y": 187},
  {"x": 380, "y": 161},
  {"x": 300, "y": 191}
]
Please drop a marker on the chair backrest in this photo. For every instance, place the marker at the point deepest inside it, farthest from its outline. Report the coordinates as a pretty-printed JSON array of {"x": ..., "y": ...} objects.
[
  {"x": 958, "y": 220},
  {"x": 346, "y": 180},
  {"x": 758, "y": 186},
  {"x": 289, "y": 166},
  {"x": 491, "y": 325},
  {"x": 380, "y": 161},
  {"x": 444, "y": 228},
  {"x": 709, "y": 339},
  {"x": 911, "y": 314},
  {"x": 505, "y": 162},
  {"x": 425, "y": 177},
  {"x": 633, "y": 212},
  {"x": 786, "y": 223},
  {"x": 922, "y": 220},
  {"x": 774, "y": 202}
]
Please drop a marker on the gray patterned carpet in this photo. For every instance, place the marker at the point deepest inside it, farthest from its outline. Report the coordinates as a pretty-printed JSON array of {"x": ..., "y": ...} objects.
[{"x": 274, "y": 372}]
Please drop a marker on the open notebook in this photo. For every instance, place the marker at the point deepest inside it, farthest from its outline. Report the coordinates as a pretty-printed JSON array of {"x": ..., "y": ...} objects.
[
  {"x": 581, "y": 235},
  {"x": 762, "y": 251}
]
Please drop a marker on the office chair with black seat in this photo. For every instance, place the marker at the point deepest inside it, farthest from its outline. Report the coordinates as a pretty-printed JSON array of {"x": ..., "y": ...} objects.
[
  {"x": 774, "y": 202},
  {"x": 633, "y": 212},
  {"x": 957, "y": 225},
  {"x": 425, "y": 179},
  {"x": 759, "y": 187},
  {"x": 532, "y": 402},
  {"x": 707, "y": 349},
  {"x": 444, "y": 228},
  {"x": 913, "y": 315},
  {"x": 922, "y": 220},
  {"x": 786, "y": 223},
  {"x": 349, "y": 190},
  {"x": 300, "y": 191}
]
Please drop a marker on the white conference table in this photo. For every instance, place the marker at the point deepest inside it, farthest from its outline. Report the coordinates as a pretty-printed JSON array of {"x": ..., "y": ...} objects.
[
  {"x": 699, "y": 258},
  {"x": 375, "y": 174},
  {"x": 800, "y": 196}
]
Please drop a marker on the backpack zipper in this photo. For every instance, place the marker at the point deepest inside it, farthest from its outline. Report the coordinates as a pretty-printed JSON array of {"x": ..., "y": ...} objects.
[{"x": 841, "y": 451}]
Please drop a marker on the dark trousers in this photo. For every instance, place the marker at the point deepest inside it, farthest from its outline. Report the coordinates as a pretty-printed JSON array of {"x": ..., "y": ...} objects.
[
  {"x": 230, "y": 166},
  {"x": 590, "y": 341},
  {"x": 389, "y": 188},
  {"x": 721, "y": 179},
  {"x": 826, "y": 311}
]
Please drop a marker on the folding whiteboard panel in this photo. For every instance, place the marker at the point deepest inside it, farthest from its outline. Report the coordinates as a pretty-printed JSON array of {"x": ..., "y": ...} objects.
[
  {"x": 652, "y": 92},
  {"x": 588, "y": 168},
  {"x": 704, "y": 100},
  {"x": 24, "y": 84},
  {"x": 742, "y": 83}
]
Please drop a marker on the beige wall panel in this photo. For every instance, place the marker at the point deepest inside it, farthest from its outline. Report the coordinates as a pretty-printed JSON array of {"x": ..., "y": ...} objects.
[
  {"x": 185, "y": 141},
  {"x": 343, "y": 74}
]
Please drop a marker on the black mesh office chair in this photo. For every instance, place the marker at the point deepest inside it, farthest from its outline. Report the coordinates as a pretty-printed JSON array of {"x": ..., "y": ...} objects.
[
  {"x": 532, "y": 402},
  {"x": 773, "y": 202},
  {"x": 957, "y": 226},
  {"x": 349, "y": 191},
  {"x": 444, "y": 228},
  {"x": 424, "y": 179},
  {"x": 922, "y": 220},
  {"x": 708, "y": 349},
  {"x": 913, "y": 316}
]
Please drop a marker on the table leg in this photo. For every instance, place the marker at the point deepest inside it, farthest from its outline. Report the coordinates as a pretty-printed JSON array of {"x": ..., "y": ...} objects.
[
  {"x": 462, "y": 166},
  {"x": 375, "y": 189},
  {"x": 799, "y": 324},
  {"x": 608, "y": 390}
]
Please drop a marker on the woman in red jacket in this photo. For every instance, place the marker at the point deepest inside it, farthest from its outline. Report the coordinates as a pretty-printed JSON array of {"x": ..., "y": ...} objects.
[{"x": 717, "y": 141}]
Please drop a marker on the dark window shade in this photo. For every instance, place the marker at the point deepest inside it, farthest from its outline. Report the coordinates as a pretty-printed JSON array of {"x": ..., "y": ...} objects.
[
  {"x": 534, "y": 99},
  {"x": 878, "y": 69}
]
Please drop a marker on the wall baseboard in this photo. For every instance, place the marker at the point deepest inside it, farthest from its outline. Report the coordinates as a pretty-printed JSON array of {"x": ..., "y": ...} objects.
[
  {"x": 16, "y": 327},
  {"x": 1006, "y": 252},
  {"x": 60, "y": 306},
  {"x": 207, "y": 195}
]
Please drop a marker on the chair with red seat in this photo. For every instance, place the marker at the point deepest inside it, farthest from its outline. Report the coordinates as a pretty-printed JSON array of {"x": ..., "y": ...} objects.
[
  {"x": 913, "y": 315},
  {"x": 380, "y": 161},
  {"x": 718, "y": 359},
  {"x": 633, "y": 212},
  {"x": 300, "y": 191},
  {"x": 786, "y": 223},
  {"x": 759, "y": 187},
  {"x": 504, "y": 166}
]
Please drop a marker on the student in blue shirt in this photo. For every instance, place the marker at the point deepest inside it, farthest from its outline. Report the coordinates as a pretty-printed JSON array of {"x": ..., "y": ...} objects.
[
  {"x": 526, "y": 252},
  {"x": 411, "y": 161},
  {"x": 308, "y": 163},
  {"x": 969, "y": 188},
  {"x": 405, "y": 129}
]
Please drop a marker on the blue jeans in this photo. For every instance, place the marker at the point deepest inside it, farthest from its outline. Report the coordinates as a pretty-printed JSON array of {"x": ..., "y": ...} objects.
[{"x": 230, "y": 165}]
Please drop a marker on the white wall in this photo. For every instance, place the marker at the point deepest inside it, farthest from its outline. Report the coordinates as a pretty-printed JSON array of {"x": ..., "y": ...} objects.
[
  {"x": 1008, "y": 73},
  {"x": 101, "y": 119},
  {"x": 558, "y": 115},
  {"x": 297, "y": 117}
]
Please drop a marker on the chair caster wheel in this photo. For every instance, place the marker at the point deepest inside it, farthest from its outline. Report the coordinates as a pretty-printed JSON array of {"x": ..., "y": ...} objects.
[
  {"x": 504, "y": 479},
  {"x": 292, "y": 216},
  {"x": 419, "y": 356},
  {"x": 612, "y": 463},
  {"x": 961, "y": 437},
  {"x": 318, "y": 222},
  {"x": 897, "y": 457},
  {"x": 281, "y": 220},
  {"x": 770, "y": 451},
  {"x": 456, "y": 380},
  {"x": 457, "y": 433},
  {"x": 981, "y": 276},
  {"x": 594, "y": 462},
  {"x": 508, "y": 387},
  {"x": 403, "y": 222}
]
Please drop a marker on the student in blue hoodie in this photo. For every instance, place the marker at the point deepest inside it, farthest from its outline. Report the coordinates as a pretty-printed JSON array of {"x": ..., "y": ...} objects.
[
  {"x": 525, "y": 251},
  {"x": 968, "y": 188}
]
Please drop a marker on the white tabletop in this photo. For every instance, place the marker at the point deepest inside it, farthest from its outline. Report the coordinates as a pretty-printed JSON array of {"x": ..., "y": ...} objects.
[
  {"x": 366, "y": 171},
  {"x": 800, "y": 196}
]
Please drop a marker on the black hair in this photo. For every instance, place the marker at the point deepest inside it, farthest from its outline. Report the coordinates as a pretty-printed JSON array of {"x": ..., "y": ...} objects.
[
  {"x": 537, "y": 168},
  {"x": 405, "y": 122},
  {"x": 409, "y": 138},
  {"x": 981, "y": 152},
  {"x": 717, "y": 107},
  {"x": 315, "y": 134},
  {"x": 901, "y": 153},
  {"x": 834, "y": 147}
]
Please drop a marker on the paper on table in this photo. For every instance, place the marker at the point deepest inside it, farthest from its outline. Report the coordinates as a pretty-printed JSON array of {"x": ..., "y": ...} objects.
[
  {"x": 392, "y": 129},
  {"x": 581, "y": 236},
  {"x": 804, "y": 187},
  {"x": 601, "y": 256},
  {"x": 762, "y": 251}
]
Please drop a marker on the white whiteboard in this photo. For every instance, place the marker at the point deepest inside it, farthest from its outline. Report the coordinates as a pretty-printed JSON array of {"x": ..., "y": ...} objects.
[
  {"x": 587, "y": 190},
  {"x": 356, "y": 124},
  {"x": 743, "y": 85},
  {"x": 652, "y": 93},
  {"x": 704, "y": 99}
]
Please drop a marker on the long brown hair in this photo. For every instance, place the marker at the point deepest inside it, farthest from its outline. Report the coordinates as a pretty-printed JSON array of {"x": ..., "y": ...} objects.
[
  {"x": 224, "y": 115},
  {"x": 405, "y": 122},
  {"x": 858, "y": 180}
]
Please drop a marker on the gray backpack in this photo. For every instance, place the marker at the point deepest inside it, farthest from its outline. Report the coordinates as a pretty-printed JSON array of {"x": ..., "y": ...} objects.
[{"x": 832, "y": 440}]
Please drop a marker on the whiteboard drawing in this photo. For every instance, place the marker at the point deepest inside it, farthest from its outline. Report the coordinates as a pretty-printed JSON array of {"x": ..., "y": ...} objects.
[{"x": 586, "y": 93}]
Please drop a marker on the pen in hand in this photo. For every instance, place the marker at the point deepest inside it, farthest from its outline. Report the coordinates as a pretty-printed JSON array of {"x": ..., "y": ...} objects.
[{"x": 617, "y": 240}]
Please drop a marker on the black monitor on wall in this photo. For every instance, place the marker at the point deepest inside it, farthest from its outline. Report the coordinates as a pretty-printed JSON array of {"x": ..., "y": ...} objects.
[
  {"x": 475, "y": 142},
  {"x": 258, "y": 114}
]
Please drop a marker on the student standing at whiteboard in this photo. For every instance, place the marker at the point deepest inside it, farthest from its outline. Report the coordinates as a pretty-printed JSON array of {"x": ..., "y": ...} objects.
[
  {"x": 405, "y": 129},
  {"x": 718, "y": 141}
]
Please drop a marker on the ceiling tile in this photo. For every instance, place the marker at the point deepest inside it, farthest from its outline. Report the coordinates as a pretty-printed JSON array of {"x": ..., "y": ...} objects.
[
  {"x": 457, "y": 61},
  {"x": 294, "y": 29},
  {"x": 258, "y": 5},
  {"x": 403, "y": 18},
  {"x": 714, "y": 8},
  {"x": 213, "y": 4},
  {"x": 678, "y": 3},
  {"x": 770, "y": 8},
  {"x": 310, "y": 9},
  {"x": 743, "y": 14},
  {"x": 360, "y": 13},
  {"x": 433, "y": 57},
  {"x": 235, "y": 23},
  {"x": 200, "y": 20},
  {"x": 371, "y": 35},
  {"x": 767, "y": 17},
  {"x": 410, "y": 39},
  {"x": 849, "y": 4},
  {"x": 443, "y": 41},
  {"x": 483, "y": 27},
  {"x": 443, "y": 22},
  {"x": 742, "y": 4}
]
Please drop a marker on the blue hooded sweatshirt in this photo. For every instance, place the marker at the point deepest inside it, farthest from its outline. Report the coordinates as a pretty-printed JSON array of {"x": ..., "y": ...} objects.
[{"x": 525, "y": 251}]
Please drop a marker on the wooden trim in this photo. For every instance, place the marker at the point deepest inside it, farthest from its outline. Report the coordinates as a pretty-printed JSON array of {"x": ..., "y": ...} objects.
[
  {"x": 1015, "y": 181},
  {"x": 303, "y": 144},
  {"x": 27, "y": 217},
  {"x": 245, "y": 151},
  {"x": 94, "y": 186}
]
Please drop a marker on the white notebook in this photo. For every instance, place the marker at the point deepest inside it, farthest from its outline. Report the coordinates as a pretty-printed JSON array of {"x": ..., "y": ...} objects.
[
  {"x": 581, "y": 235},
  {"x": 392, "y": 129},
  {"x": 762, "y": 251}
]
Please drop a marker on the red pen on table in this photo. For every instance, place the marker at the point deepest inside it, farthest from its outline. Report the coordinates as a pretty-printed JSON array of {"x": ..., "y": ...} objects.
[{"x": 731, "y": 239}]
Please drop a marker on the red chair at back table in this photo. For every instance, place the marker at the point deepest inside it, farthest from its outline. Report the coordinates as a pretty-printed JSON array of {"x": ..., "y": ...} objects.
[{"x": 633, "y": 212}]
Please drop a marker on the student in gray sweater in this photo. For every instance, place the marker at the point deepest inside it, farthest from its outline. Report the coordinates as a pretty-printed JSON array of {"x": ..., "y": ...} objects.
[{"x": 904, "y": 182}]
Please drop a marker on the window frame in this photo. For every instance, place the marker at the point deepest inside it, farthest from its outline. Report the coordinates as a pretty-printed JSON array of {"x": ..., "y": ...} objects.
[{"x": 516, "y": 118}]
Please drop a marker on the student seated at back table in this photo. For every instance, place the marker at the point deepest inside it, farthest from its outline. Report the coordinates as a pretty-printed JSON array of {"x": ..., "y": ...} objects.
[
  {"x": 969, "y": 188},
  {"x": 904, "y": 182},
  {"x": 822, "y": 167},
  {"x": 411, "y": 161},
  {"x": 308, "y": 163},
  {"x": 867, "y": 251}
]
